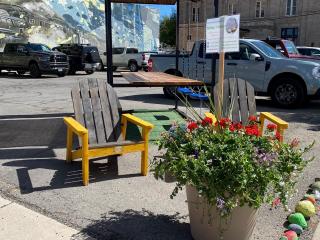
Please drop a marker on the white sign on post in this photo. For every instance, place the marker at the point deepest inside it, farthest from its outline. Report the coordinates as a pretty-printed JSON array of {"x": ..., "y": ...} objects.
[{"x": 222, "y": 34}]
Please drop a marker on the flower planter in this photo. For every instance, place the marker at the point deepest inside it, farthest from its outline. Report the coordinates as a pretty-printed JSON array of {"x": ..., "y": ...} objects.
[{"x": 206, "y": 224}]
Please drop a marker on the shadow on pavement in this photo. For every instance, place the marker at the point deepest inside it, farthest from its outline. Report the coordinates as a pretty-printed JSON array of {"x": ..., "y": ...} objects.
[
  {"x": 64, "y": 175},
  {"x": 137, "y": 225}
]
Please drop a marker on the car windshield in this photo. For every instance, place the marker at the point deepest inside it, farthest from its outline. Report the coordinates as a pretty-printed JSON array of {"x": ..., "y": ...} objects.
[
  {"x": 267, "y": 50},
  {"x": 39, "y": 48},
  {"x": 291, "y": 48}
]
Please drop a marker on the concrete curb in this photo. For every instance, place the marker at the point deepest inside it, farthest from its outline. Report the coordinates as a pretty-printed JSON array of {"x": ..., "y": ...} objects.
[
  {"x": 18, "y": 222},
  {"x": 316, "y": 235}
]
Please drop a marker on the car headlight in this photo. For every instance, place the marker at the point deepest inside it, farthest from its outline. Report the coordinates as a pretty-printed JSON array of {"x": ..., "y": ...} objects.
[{"x": 316, "y": 72}]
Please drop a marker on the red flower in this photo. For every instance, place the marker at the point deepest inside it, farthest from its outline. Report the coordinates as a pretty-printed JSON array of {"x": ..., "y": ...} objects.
[
  {"x": 235, "y": 126},
  {"x": 294, "y": 143},
  {"x": 223, "y": 122},
  {"x": 192, "y": 126},
  {"x": 278, "y": 136},
  {"x": 252, "y": 130},
  {"x": 252, "y": 118},
  {"x": 271, "y": 127},
  {"x": 206, "y": 121},
  {"x": 276, "y": 202}
]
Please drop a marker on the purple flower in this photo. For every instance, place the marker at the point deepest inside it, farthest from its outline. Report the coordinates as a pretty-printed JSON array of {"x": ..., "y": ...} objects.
[
  {"x": 220, "y": 203},
  {"x": 264, "y": 158}
]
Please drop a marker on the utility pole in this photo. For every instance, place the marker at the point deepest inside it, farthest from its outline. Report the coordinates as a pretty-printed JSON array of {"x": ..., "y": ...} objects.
[
  {"x": 214, "y": 56},
  {"x": 177, "y": 36},
  {"x": 108, "y": 41}
]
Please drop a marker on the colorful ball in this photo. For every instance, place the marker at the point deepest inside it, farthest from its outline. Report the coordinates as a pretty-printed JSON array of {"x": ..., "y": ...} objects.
[
  {"x": 291, "y": 235},
  {"x": 298, "y": 218},
  {"x": 306, "y": 208},
  {"x": 295, "y": 227},
  {"x": 310, "y": 198},
  {"x": 316, "y": 186}
]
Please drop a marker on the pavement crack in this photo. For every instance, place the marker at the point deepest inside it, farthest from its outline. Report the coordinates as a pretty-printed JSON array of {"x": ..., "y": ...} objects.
[{"x": 6, "y": 205}]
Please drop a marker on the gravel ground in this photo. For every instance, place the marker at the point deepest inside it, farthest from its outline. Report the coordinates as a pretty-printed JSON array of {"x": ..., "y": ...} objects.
[{"x": 118, "y": 203}]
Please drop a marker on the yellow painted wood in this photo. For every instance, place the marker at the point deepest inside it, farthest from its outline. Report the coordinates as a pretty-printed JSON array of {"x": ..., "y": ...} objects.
[
  {"x": 124, "y": 124},
  {"x": 212, "y": 116},
  {"x": 85, "y": 159},
  {"x": 272, "y": 118},
  {"x": 137, "y": 121},
  {"x": 85, "y": 153},
  {"x": 75, "y": 126},
  {"x": 69, "y": 144}
]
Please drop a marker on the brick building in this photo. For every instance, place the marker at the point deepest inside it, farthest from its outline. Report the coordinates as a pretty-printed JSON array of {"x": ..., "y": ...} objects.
[{"x": 296, "y": 20}]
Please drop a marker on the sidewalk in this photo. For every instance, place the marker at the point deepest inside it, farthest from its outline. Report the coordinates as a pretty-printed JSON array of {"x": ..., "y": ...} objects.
[{"x": 18, "y": 222}]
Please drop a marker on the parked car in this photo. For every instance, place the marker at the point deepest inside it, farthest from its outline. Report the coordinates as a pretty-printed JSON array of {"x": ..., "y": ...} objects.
[
  {"x": 82, "y": 57},
  {"x": 287, "y": 48},
  {"x": 288, "y": 81},
  {"x": 145, "y": 59},
  {"x": 34, "y": 58},
  {"x": 124, "y": 57},
  {"x": 310, "y": 51}
]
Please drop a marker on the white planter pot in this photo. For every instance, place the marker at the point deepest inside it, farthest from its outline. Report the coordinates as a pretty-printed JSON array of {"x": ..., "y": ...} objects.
[{"x": 206, "y": 223}]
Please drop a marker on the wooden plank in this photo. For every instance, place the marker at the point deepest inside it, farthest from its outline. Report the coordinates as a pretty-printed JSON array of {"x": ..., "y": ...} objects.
[
  {"x": 226, "y": 111},
  {"x": 251, "y": 99},
  {"x": 244, "y": 109},
  {"x": 97, "y": 111},
  {"x": 234, "y": 100},
  {"x": 78, "y": 108},
  {"x": 105, "y": 107},
  {"x": 87, "y": 108},
  {"x": 115, "y": 116}
]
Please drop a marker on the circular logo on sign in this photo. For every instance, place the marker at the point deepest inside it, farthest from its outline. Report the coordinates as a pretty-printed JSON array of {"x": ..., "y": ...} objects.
[{"x": 232, "y": 25}]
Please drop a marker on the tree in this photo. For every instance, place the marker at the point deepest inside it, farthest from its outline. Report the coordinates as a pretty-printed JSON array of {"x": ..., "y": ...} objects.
[{"x": 168, "y": 30}]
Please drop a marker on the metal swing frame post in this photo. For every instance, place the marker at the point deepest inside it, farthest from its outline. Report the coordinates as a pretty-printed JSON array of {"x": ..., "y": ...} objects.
[
  {"x": 109, "y": 41},
  {"x": 177, "y": 47}
]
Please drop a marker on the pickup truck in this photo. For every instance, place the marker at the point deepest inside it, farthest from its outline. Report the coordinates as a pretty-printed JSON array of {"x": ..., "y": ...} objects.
[
  {"x": 35, "y": 58},
  {"x": 289, "y": 82},
  {"x": 288, "y": 49},
  {"x": 124, "y": 57}
]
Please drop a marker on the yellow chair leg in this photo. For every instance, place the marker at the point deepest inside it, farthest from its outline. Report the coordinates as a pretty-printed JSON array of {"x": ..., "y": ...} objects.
[
  {"x": 144, "y": 154},
  {"x": 85, "y": 160},
  {"x": 69, "y": 145}
]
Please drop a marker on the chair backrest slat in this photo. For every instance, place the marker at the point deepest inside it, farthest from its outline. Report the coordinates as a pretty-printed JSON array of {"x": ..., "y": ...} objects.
[
  {"x": 114, "y": 109},
  {"x": 97, "y": 110},
  {"x": 88, "y": 111},
  {"x": 97, "y": 107},
  {"x": 238, "y": 100}
]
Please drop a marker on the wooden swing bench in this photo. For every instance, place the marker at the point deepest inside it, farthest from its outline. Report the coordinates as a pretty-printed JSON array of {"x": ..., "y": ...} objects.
[
  {"x": 100, "y": 126},
  {"x": 238, "y": 103}
]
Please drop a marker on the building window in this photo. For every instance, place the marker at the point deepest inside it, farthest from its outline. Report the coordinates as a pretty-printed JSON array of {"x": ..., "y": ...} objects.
[
  {"x": 291, "y": 8},
  {"x": 195, "y": 14},
  {"x": 259, "y": 9},
  {"x": 290, "y": 34}
]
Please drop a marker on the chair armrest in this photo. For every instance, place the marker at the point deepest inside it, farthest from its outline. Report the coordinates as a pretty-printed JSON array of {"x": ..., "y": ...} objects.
[
  {"x": 272, "y": 118},
  {"x": 137, "y": 121},
  {"x": 75, "y": 126},
  {"x": 212, "y": 116}
]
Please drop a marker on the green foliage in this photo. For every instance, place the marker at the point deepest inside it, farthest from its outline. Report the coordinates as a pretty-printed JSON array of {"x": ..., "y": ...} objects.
[
  {"x": 230, "y": 164},
  {"x": 168, "y": 30}
]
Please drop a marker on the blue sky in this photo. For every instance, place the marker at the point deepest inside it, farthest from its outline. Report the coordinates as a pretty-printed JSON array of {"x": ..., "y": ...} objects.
[{"x": 165, "y": 10}]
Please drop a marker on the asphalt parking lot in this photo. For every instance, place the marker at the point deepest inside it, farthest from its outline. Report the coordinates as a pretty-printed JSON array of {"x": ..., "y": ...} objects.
[{"x": 118, "y": 203}]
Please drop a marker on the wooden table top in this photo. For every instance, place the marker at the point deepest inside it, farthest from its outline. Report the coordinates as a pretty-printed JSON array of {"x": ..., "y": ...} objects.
[{"x": 160, "y": 79}]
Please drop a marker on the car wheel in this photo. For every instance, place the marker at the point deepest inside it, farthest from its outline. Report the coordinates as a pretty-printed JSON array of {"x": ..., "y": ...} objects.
[
  {"x": 61, "y": 74},
  {"x": 89, "y": 71},
  {"x": 101, "y": 66},
  {"x": 34, "y": 70},
  {"x": 20, "y": 73},
  {"x": 133, "y": 67},
  {"x": 170, "y": 92},
  {"x": 288, "y": 93}
]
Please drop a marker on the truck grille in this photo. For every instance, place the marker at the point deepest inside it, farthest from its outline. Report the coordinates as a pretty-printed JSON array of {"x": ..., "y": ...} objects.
[{"x": 58, "y": 58}]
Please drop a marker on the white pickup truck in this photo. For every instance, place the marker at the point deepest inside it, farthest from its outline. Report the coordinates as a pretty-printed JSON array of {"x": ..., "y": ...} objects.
[
  {"x": 124, "y": 57},
  {"x": 289, "y": 82}
]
